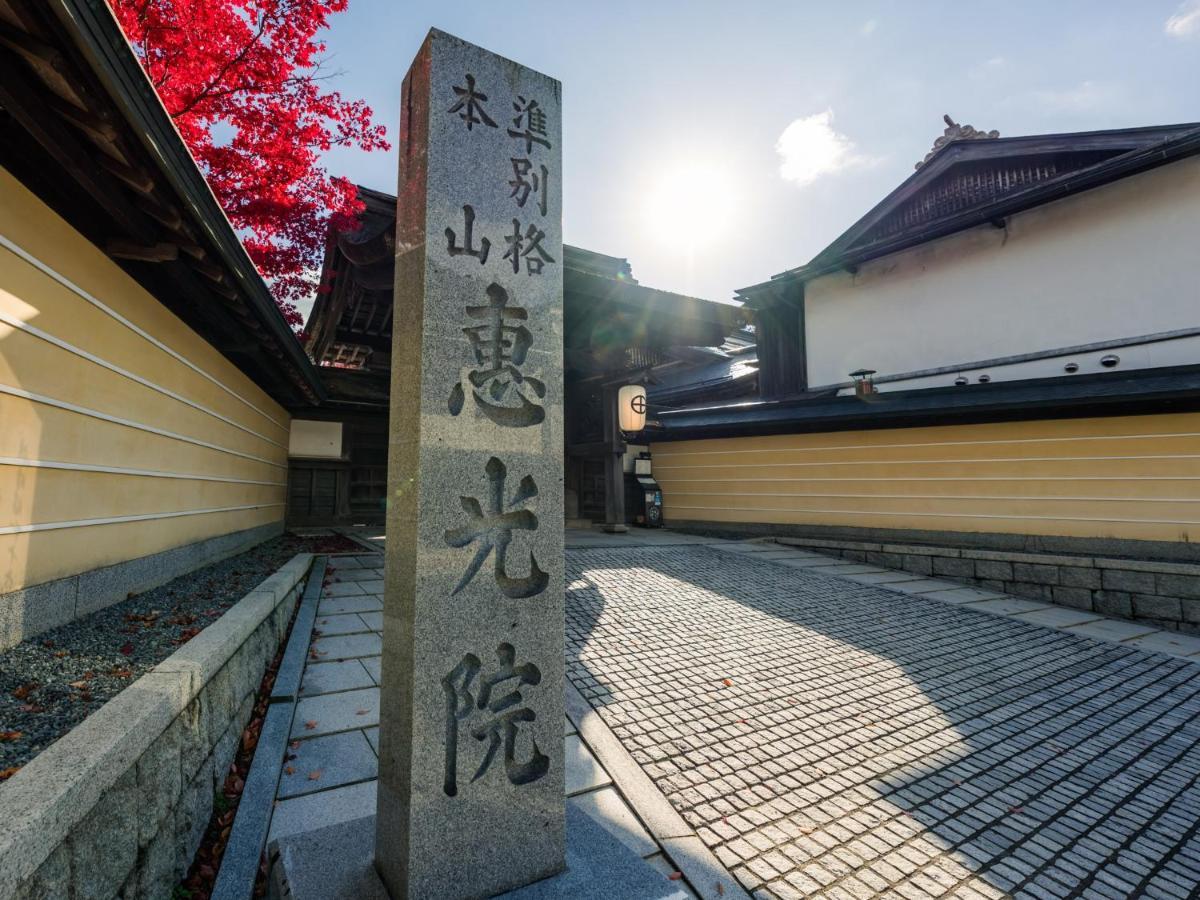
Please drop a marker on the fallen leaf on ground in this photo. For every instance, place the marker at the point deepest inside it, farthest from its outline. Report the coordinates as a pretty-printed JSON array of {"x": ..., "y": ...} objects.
[
  {"x": 10, "y": 736},
  {"x": 295, "y": 745},
  {"x": 121, "y": 673},
  {"x": 310, "y": 725},
  {"x": 726, "y": 682},
  {"x": 315, "y": 775},
  {"x": 25, "y": 690},
  {"x": 127, "y": 650},
  {"x": 8, "y": 773},
  {"x": 720, "y": 889},
  {"x": 675, "y": 876},
  {"x": 361, "y": 712},
  {"x": 59, "y": 654},
  {"x": 290, "y": 770}
]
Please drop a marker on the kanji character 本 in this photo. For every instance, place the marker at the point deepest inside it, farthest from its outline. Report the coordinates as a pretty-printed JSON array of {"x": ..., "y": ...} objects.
[
  {"x": 494, "y": 532},
  {"x": 468, "y": 247},
  {"x": 500, "y": 388},
  {"x": 470, "y": 105},
  {"x": 532, "y": 118},
  {"x": 526, "y": 182},
  {"x": 507, "y": 712},
  {"x": 521, "y": 246}
]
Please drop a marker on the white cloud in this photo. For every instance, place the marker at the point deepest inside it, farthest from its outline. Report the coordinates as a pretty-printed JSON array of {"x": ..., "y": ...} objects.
[
  {"x": 868, "y": 27},
  {"x": 1186, "y": 21},
  {"x": 809, "y": 148}
]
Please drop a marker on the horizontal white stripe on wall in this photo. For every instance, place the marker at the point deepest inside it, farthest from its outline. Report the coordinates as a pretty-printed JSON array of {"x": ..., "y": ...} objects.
[
  {"x": 118, "y": 470},
  {"x": 673, "y": 508},
  {"x": 919, "y": 462},
  {"x": 675, "y": 493},
  {"x": 129, "y": 423},
  {"x": 806, "y": 479},
  {"x": 968, "y": 443},
  {"x": 116, "y": 520},
  {"x": 145, "y": 382},
  {"x": 116, "y": 316}
]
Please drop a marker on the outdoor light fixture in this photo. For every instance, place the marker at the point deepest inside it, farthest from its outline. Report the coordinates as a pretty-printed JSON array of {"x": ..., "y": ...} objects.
[
  {"x": 862, "y": 382},
  {"x": 631, "y": 408}
]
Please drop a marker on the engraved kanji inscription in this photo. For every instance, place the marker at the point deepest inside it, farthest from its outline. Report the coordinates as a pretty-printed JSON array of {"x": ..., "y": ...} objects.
[
  {"x": 505, "y": 713},
  {"x": 493, "y": 530},
  {"x": 529, "y": 124},
  {"x": 526, "y": 181},
  {"x": 527, "y": 246},
  {"x": 502, "y": 392},
  {"x": 470, "y": 105},
  {"x": 468, "y": 248}
]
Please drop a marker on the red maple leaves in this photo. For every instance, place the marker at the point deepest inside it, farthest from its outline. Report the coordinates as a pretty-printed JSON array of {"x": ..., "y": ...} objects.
[{"x": 242, "y": 80}]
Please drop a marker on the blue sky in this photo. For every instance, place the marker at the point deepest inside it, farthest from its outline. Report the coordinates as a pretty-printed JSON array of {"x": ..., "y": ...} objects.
[{"x": 674, "y": 112}]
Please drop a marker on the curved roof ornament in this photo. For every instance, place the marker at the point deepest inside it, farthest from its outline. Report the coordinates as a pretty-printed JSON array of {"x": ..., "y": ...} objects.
[{"x": 956, "y": 132}]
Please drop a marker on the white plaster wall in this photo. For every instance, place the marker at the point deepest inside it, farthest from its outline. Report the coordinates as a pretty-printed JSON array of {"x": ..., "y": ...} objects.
[
  {"x": 1117, "y": 261},
  {"x": 313, "y": 439}
]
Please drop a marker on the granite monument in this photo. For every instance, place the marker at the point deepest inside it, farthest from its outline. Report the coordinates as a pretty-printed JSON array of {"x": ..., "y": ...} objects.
[{"x": 471, "y": 775}]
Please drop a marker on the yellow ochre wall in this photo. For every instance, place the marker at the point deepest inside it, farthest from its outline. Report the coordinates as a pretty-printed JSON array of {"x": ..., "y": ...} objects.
[
  {"x": 1131, "y": 477},
  {"x": 122, "y": 433}
]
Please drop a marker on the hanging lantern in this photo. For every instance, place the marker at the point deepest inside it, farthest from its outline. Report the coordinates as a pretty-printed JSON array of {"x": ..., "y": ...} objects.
[{"x": 631, "y": 408}]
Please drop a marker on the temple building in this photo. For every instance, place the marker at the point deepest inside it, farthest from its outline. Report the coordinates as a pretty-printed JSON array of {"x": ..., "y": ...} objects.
[
  {"x": 616, "y": 332},
  {"x": 1004, "y": 352}
]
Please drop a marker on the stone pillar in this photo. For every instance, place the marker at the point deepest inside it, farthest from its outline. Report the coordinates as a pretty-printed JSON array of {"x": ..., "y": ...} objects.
[
  {"x": 471, "y": 775},
  {"x": 614, "y": 464}
]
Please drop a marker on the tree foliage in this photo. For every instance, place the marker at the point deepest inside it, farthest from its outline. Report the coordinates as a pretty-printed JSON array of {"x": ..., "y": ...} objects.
[{"x": 243, "y": 81}]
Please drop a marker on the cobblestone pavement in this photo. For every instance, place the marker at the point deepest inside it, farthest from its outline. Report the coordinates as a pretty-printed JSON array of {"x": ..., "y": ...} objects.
[{"x": 828, "y": 738}]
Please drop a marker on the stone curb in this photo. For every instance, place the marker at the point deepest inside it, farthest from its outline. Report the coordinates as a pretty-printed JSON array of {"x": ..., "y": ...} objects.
[
  {"x": 704, "y": 872},
  {"x": 291, "y": 667},
  {"x": 239, "y": 864},
  {"x": 46, "y": 799}
]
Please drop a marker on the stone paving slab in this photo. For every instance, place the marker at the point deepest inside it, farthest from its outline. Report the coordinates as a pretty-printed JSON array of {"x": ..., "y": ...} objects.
[
  {"x": 327, "y": 678},
  {"x": 1113, "y": 629},
  {"x": 344, "y": 711},
  {"x": 1167, "y": 642},
  {"x": 360, "y": 604},
  {"x": 314, "y": 811},
  {"x": 347, "y": 646},
  {"x": 345, "y": 623},
  {"x": 344, "y": 589},
  {"x": 326, "y": 762},
  {"x": 583, "y": 772},
  {"x": 1058, "y": 617},
  {"x": 829, "y": 738}
]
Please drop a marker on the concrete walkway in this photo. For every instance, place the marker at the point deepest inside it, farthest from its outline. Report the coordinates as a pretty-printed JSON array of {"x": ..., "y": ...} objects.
[
  {"x": 901, "y": 737},
  {"x": 330, "y": 772}
]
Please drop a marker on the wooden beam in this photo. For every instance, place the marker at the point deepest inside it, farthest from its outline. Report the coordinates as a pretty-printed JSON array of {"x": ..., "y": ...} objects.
[
  {"x": 26, "y": 104},
  {"x": 162, "y": 213},
  {"x": 160, "y": 252},
  {"x": 209, "y": 270},
  {"x": 33, "y": 49},
  {"x": 94, "y": 125},
  {"x": 141, "y": 181}
]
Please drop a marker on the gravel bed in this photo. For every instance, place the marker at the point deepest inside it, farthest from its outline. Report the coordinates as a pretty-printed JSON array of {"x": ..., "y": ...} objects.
[{"x": 51, "y": 682}]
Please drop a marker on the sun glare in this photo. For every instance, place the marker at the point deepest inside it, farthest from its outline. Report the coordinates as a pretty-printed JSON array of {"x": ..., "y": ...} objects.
[{"x": 691, "y": 205}]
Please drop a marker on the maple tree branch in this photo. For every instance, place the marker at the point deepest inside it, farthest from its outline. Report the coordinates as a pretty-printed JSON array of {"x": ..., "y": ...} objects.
[{"x": 207, "y": 90}]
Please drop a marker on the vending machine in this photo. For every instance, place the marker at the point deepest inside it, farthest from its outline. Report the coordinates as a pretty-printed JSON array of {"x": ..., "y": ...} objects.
[{"x": 643, "y": 496}]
